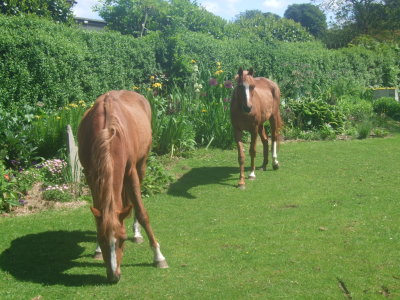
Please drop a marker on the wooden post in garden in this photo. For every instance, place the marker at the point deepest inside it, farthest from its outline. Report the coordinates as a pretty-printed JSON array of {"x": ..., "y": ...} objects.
[{"x": 76, "y": 167}]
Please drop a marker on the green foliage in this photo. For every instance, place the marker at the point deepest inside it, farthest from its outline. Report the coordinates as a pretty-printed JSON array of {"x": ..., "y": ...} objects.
[
  {"x": 8, "y": 196},
  {"x": 140, "y": 17},
  {"x": 388, "y": 106},
  {"x": 157, "y": 178},
  {"x": 268, "y": 28},
  {"x": 364, "y": 129},
  {"x": 57, "y": 10},
  {"x": 309, "y": 16},
  {"x": 309, "y": 114},
  {"x": 16, "y": 142},
  {"x": 54, "y": 64}
]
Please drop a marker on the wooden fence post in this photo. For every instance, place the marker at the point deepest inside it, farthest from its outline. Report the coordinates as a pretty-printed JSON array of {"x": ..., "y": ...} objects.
[{"x": 76, "y": 168}]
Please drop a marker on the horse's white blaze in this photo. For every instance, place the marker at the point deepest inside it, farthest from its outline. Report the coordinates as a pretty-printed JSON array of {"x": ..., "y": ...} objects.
[
  {"x": 136, "y": 229},
  {"x": 247, "y": 90},
  {"x": 252, "y": 174},
  {"x": 157, "y": 254},
  {"x": 113, "y": 255}
]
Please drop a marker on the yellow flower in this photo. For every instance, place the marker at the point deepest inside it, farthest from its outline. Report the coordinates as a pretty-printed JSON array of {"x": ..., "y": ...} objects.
[
  {"x": 193, "y": 61},
  {"x": 58, "y": 118},
  {"x": 218, "y": 64},
  {"x": 219, "y": 72},
  {"x": 38, "y": 117},
  {"x": 81, "y": 102},
  {"x": 135, "y": 87},
  {"x": 204, "y": 110},
  {"x": 152, "y": 77},
  {"x": 73, "y": 105},
  {"x": 157, "y": 85}
]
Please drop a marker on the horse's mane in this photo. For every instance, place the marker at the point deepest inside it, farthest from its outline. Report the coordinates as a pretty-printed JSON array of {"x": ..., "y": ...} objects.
[{"x": 103, "y": 166}]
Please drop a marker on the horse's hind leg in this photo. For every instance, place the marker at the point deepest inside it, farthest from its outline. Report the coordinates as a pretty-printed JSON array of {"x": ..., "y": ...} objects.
[
  {"x": 274, "y": 134},
  {"x": 252, "y": 153},
  {"x": 143, "y": 218},
  {"x": 264, "y": 139},
  {"x": 137, "y": 236}
]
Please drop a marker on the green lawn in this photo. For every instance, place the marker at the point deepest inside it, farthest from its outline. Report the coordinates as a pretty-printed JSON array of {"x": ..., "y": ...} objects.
[{"x": 324, "y": 226}]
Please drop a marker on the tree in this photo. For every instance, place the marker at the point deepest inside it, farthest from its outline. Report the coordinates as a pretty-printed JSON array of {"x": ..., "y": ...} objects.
[
  {"x": 392, "y": 9},
  {"x": 138, "y": 17},
  {"x": 268, "y": 27},
  {"x": 309, "y": 16},
  {"x": 57, "y": 10},
  {"x": 366, "y": 15}
]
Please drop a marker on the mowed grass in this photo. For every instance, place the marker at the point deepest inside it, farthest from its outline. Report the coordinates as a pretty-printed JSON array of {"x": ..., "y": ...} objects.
[{"x": 324, "y": 226}]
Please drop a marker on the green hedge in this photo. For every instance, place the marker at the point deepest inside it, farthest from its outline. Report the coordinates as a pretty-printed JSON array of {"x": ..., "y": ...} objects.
[{"x": 56, "y": 64}]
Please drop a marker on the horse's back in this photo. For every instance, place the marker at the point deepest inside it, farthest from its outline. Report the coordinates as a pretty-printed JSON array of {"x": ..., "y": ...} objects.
[
  {"x": 268, "y": 85},
  {"x": 132, "y": 113}
]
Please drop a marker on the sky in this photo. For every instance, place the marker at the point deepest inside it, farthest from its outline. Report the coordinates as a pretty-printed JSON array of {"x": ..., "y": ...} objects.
[{"x": 226, "y": 9}]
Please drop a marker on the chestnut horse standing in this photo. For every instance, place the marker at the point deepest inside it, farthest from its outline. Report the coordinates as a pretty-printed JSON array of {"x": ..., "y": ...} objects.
[
  {"x": 254, "y": 101},
  {"x": 114, "y": 141}
]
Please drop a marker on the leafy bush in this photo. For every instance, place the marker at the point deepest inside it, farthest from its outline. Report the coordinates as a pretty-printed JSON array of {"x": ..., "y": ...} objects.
[
  {"x": 54, "y": 64},
  {"x": 388, "y": 106},
  {"x": 309, "y": 114},
  {"x": 8, "y": 195}
]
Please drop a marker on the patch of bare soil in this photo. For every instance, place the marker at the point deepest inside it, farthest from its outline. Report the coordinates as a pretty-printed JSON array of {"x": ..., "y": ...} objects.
[{"x": 35, "y": 203}]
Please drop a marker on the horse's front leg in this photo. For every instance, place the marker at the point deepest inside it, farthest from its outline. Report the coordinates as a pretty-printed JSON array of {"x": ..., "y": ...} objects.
[
  {"x": 143, "y": 218},
  {"x": 238, "y": 138},
  {"x": 252, "y": 153}
]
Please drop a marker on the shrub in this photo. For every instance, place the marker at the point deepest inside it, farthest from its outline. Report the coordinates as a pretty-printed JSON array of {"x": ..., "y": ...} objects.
[
  {"x": 309, "y": 114},
  {"x": 8, "y": 196},
  {"x": 388, "y": 106}
]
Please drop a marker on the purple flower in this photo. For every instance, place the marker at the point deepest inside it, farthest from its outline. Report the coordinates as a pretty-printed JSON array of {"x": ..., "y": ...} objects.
[
  {"x": 22, "y": 201},
  {"x": 228, "y": 84},
  {"x": 213, "y": 82}
]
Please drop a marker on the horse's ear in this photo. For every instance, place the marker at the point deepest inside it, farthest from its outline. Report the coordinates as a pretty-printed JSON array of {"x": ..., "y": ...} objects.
[
  {"x": 251, "y": 72},
  {"x": 240, "y": 72},
  {"x": 125, "y": 213},
  {"x": 95, "y": 212}
]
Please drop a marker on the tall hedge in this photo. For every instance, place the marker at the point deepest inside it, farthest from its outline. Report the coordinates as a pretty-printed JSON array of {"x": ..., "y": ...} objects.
[{"x": 56, "y": 64}]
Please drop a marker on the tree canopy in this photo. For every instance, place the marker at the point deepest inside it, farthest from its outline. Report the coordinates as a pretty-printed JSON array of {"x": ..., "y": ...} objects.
[
  {"x": 57, "y": 10},
  {"x": 309, "y": 16}
]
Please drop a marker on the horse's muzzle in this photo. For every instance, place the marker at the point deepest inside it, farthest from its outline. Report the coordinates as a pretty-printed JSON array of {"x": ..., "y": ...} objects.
[
  {"x": 246, "y": 108},
  {"x": 113, "y": 278}
]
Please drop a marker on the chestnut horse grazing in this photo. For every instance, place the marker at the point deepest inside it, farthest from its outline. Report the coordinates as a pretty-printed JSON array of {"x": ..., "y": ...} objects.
[
  {"x": 254, "y": 101},
  {"x": 114, "y": 141}
]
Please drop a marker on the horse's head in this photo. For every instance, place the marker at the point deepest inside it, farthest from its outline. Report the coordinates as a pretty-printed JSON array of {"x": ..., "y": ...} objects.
[
  {"x": 245, "y": 89},
  {"x": 111, "y": 236}
]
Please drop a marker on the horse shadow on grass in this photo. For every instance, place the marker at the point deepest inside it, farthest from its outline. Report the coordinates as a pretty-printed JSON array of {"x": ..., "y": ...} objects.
[
  {"x": 202, "y": 176},
  {"x": 46, "y": 257}
]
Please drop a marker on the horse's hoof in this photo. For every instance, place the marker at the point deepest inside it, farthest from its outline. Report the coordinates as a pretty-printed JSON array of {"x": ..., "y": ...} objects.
[
  {"x": 161, "y": 264},
  {"x": 138, "y": 239},
  {"x": 98, "y": 256},
  {"x": 241, "y": 186},
  {"x": 275, "y": 166}
]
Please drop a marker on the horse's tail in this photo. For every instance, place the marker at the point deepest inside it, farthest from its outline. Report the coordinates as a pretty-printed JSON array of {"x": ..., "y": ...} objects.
[
  {"x": 276, "y": 93},
  {"x": 103, "y": 165}
]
